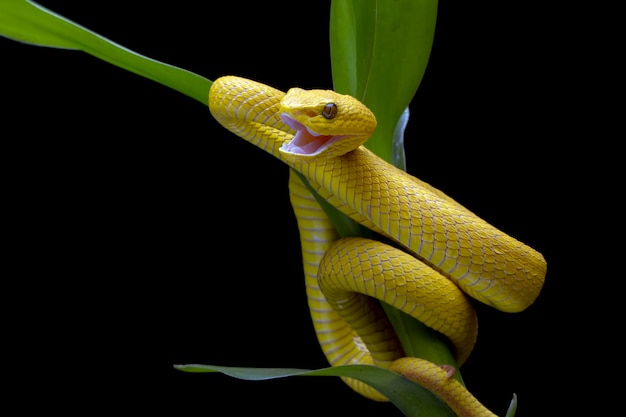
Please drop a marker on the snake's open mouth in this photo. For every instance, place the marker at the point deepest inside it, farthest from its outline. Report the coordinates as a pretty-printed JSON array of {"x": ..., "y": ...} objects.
[{"x": 305, "y": 141}]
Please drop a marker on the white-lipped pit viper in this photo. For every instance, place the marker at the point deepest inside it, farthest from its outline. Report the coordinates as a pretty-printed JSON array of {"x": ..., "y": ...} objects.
[{"x": 448, "y": 252}]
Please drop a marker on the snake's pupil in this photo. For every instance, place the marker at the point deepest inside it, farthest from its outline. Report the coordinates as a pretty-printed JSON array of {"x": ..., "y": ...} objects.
[{"x": 330, "y": 110}]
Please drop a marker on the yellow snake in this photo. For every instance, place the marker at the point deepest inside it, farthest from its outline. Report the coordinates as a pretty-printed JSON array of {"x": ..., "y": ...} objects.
[{"x": 438, "y": 251}]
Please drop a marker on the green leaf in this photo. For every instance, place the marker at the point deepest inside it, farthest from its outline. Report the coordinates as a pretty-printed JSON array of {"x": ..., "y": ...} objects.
[
  {"x": 379, "y": 53},
  {"x": 410, "y": 398},
  {"x": 28, "y": 22}
]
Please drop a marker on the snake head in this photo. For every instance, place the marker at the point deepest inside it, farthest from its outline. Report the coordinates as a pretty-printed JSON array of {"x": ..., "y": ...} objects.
[{"x": 327, "y": 124}]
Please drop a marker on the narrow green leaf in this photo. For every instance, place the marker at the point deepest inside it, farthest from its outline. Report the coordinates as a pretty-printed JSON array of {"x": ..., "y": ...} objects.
[
  {"x": 512, "y": 407},
  {"x": 410, "y": 398},
  {"x": 397, "y": 142},
  {"x": 28, "y": 22}
]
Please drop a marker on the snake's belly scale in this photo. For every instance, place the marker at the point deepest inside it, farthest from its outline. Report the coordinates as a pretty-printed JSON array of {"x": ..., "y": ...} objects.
[{"x": 450, "y": 249}]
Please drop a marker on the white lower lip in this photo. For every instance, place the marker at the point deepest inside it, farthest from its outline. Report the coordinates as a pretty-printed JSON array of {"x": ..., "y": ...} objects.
[{"x": 305, "y": 141}]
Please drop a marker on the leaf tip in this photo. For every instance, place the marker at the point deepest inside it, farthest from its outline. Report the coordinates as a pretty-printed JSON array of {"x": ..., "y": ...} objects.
[{"x": 512, "y": 406}]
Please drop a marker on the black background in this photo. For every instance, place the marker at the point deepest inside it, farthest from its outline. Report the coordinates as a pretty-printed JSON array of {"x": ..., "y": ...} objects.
[{"x": 149, "y": 236}]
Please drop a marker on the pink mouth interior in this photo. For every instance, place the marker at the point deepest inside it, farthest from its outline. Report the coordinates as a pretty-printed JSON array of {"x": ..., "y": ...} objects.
[{"x": 305, "y": 141}]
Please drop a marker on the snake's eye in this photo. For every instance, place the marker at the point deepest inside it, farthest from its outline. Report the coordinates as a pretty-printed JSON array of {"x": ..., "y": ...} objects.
[{"x": 330, "y": 110}]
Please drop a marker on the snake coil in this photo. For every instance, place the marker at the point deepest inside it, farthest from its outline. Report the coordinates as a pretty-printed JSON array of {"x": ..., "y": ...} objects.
[{"x": 441, "y": 253}]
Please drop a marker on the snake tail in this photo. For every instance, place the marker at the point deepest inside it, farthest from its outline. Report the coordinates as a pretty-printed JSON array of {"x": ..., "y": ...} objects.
[{"x": 437, "y": 379}]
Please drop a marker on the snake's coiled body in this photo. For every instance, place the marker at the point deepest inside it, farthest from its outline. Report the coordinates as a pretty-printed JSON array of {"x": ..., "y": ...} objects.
[{"x": 447, "y": 250}]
